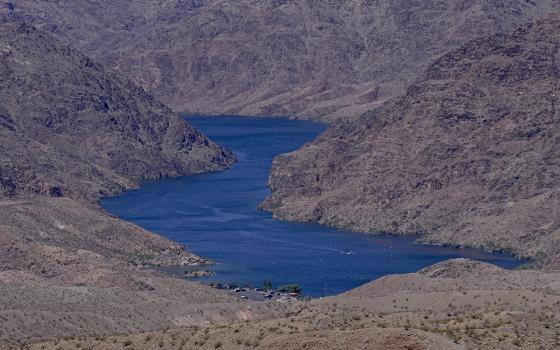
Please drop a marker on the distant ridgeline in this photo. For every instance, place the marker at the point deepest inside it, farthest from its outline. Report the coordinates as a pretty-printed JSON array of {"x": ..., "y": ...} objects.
[{"x": 298, "y": 58}]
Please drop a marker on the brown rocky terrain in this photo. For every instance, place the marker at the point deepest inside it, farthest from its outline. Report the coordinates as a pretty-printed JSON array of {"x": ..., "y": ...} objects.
[
  {"x": 284, "y": 57},
  {"x": 458, "y": 304},
  {"x": 468, "y": 156},
  {"x": 105, "y": 297},
  {"x": 73, "y": 128},
  {"x": 70, "y": 132}
]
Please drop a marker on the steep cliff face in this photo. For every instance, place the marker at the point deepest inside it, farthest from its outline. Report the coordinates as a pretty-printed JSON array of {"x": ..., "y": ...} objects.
[
  {"x": 467, "y": 156},
  {"x": 69, "y": 127},
  {"x": 297, "y": 58}
]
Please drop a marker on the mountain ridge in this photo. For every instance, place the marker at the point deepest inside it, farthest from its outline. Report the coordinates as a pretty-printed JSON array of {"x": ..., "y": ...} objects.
[
  {"x": 300, "y": 59},
  {"x": 77, "y": 129}
]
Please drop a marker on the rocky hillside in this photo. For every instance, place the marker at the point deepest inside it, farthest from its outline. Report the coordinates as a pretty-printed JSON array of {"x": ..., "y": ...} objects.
[
  {"x": 458, "y": 304},
  {"x": 282, "y": 57},
  {"x": 70, "y": 132},
  {"x": 69, "y": 127},
  {"x": 67, "y": 269},
  {"x": 468, "y": 156}
]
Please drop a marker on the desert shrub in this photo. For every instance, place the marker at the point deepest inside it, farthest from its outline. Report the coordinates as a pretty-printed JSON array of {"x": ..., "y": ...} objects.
[{"x": 289, "y": 288}]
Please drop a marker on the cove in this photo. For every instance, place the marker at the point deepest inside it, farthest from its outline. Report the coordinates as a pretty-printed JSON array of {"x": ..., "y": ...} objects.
[{"x": 215, "y": 216}]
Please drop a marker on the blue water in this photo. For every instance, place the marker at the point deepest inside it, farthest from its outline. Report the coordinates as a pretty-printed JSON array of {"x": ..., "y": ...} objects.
[{"x": 215, "y": 216}]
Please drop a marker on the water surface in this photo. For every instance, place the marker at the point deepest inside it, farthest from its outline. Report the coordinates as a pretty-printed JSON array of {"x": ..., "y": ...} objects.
[{"x": 215, "y": 216}]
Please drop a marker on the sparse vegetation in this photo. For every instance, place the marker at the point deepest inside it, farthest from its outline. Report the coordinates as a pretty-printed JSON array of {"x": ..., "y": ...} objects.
[{"x": 289, "y": 288}]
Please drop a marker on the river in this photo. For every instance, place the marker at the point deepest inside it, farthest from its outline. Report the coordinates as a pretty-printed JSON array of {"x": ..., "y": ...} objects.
[{"x": 215, "y": 216}]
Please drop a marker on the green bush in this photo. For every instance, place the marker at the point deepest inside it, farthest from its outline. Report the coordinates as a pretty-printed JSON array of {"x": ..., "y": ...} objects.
[
  {"x": 267, "y": 285},
  {"x": 289, "y": 288}
]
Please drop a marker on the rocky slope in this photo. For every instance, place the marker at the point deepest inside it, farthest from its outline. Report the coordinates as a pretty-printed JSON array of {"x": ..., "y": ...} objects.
[
  {"x": 467, "y": 156},
  {"x": 73, "y": 128},
  {"x": 458, "y": 304},
  {"x": 298, "y": 58},
  {"x": 70, "y": 132}
]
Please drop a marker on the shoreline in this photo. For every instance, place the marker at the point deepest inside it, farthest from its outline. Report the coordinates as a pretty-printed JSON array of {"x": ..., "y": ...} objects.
[{"x": 223, "y": 269}]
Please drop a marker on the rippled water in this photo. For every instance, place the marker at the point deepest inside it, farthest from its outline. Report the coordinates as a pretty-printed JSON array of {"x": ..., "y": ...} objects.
[{"x": 215, "y": 216}]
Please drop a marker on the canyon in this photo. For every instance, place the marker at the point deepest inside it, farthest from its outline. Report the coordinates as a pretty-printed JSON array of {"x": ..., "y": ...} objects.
[{"x": 443, "y": 125}]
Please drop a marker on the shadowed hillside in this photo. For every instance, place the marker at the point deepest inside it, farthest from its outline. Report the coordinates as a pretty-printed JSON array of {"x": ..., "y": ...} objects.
[{"x": 69, "y": 127}]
